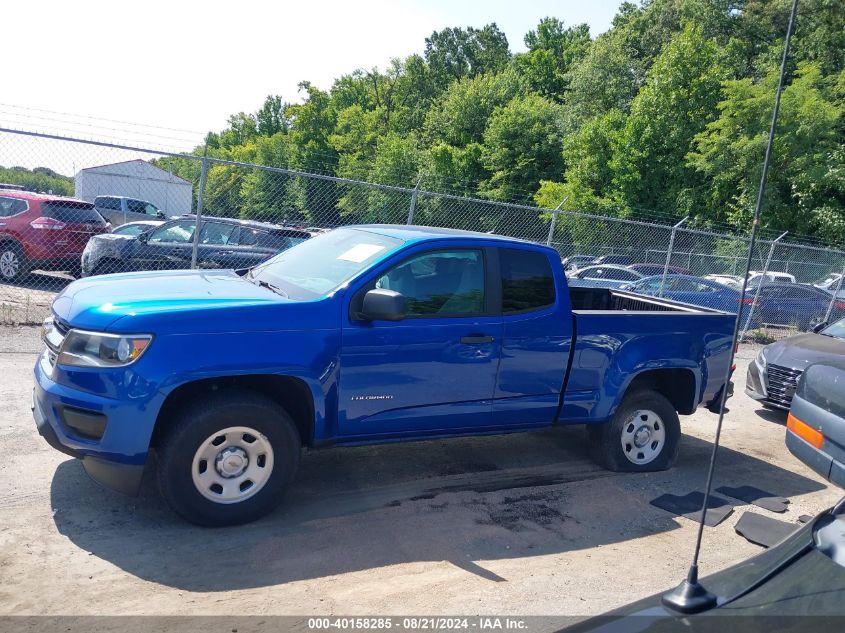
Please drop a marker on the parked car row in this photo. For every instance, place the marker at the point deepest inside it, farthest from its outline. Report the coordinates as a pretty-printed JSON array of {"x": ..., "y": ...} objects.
[
  {"x": 784, "y": 304},
  {"x": 780, "y": 299},
  {"x": 48, "y": 232},
  {"x": 222, "y": 243}
]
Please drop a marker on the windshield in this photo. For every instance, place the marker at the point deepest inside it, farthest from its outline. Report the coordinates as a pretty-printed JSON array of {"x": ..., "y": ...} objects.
[
  {"x": 317, "y": 266},
  {"x": 836, "y": 330}
]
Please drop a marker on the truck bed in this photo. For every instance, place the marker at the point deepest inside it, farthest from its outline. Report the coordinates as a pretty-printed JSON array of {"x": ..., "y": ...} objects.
[
  {"x": 620, "y": 334},
  {"x": 608, "y": 299}
]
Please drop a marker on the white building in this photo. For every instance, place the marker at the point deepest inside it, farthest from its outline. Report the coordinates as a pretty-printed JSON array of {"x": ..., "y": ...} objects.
[{"x": 136, "y": 179}]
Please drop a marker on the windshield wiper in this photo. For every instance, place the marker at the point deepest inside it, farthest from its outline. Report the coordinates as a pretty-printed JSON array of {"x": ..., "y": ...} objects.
[{"x": 271, "y": 287}]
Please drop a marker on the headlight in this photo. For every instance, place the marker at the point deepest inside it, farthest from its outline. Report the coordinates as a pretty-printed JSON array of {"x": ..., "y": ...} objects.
[
  {"x": 761, "y": 359},
  {"x": 95, "y": 349}
]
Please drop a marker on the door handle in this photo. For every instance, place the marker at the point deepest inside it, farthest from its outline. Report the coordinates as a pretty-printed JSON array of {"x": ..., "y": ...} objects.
[{"x": 477, "y": 339}]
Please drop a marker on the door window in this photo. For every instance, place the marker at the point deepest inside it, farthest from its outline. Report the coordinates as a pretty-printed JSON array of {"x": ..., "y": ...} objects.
[
  {"x": 181, "y": 232},
  {"x": 111, "y": 204},
  {"x": 443, "y": 283},
  {"x": 139, "y": 206},
  {"x": 216, "y": 233},
  {"x": 620, "y": 274},
  {"x": 11, "y": 206},
  {"x": 248, "y": 237},
  {"x": 527, "y": 281},
  {"x": 592, "y": 273}
]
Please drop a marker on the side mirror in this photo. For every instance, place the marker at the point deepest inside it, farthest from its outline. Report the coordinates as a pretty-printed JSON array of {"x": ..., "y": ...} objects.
[
  {"x": 160, "y": 215},
  {"x": 818, "y": 327},
  {"x": 383, "y": 305},
  {"x": 143, "y": 237}
]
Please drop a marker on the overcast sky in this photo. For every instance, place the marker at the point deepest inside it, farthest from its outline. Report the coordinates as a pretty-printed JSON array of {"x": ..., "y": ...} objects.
[{"x": 189, "y": 65}]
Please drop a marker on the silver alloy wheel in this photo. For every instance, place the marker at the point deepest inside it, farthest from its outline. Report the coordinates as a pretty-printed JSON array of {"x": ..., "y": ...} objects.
[
  {"x": 10, "y": 264},
  {"x": 232, "y": 465},
  {"x": 643, "y": 436}
]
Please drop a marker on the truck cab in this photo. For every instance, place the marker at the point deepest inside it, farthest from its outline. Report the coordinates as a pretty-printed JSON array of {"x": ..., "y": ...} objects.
[{"x": 360, "y": 335}]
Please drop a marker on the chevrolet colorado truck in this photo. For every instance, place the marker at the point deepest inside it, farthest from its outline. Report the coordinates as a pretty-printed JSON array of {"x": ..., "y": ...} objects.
[{"x": 360, "y": 335}]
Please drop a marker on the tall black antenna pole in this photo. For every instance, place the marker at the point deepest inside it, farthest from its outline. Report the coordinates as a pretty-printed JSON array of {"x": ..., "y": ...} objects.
[{"x": 690, "y": 596}]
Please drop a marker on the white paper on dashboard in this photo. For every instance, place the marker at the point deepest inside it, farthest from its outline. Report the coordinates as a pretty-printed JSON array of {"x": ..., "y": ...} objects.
[{"x": 360, "y": 252}]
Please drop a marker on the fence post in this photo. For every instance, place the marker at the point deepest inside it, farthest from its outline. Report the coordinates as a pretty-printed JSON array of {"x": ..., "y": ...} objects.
[
  {"x": 669, "y": 254},
  {"x": 413, "y": 206},
  {"x": 200, "y": 193},
  {"x": 760, "y": 285},
  {"x": 835, "y": 294},
  {"x": 555, "y": 213}
]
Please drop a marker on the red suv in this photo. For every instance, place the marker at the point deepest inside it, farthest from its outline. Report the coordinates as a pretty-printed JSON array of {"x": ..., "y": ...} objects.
[{"x": 38, "y": 230}]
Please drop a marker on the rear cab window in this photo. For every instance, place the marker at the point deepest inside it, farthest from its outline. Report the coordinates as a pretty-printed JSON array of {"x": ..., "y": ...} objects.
[{"x": 527, "y": 281}]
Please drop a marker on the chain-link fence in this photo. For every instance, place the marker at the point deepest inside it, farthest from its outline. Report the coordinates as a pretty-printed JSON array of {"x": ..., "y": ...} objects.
[{"x": 143, "y": 209}]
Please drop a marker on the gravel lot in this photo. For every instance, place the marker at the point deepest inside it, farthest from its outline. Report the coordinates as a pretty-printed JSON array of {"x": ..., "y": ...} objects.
[{"x": 521, "y": 524}]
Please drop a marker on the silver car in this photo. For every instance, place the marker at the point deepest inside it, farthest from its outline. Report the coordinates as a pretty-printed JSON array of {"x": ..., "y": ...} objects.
[
  {"x": 120, "y": 209},
  {"x": 773, "y": 376},
  {"x": 604, "y": 276}
]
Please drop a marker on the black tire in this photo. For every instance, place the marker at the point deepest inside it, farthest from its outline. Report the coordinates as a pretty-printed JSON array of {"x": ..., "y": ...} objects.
[
  {"x": 11, "y": 253},
  {"x": 190, "y": 429},
  {"x": 606, "y": 444}
]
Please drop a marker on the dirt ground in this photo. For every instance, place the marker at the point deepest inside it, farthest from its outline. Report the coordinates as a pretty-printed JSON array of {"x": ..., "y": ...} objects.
[
  {"x": 28, "y": 301},
  {"x": 522, "y": 524}
]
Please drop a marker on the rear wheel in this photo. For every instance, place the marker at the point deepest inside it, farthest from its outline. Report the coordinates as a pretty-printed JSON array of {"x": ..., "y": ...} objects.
[
  {"x": 643, "y": 435},
  {"x": 228, "y": 459},
  {"x": 13, "y": 265}
]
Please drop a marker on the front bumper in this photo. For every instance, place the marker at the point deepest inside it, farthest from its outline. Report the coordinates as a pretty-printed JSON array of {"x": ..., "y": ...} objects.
[
  {"x": 756, "y": 388},
  {"x": 120, "y": 472}
]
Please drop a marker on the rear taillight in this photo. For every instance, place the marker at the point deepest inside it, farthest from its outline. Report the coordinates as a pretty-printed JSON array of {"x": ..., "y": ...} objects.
[
  {"x": 747, "y": 301},
  {"x": 839, "y": 305},
  {"x": 47, "y": 224}
]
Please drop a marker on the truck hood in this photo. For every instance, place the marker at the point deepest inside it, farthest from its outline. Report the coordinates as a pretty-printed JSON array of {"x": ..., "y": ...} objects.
[{"x": 98, "y": 303}]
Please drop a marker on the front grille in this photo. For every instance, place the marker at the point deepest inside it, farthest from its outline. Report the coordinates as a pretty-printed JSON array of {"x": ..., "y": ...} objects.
[{"x": 780, "y": 384}]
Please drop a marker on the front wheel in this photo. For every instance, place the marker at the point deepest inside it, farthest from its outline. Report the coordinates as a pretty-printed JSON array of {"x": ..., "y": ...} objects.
[
  {"x": 643, "y": 436},
  {"x": 228, "y": 459}
]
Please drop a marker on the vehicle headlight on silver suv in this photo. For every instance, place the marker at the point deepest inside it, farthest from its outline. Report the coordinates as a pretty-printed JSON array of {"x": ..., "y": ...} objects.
[
  {"x": 97, "y": 349},
  {"x": 761, "y": 360}
]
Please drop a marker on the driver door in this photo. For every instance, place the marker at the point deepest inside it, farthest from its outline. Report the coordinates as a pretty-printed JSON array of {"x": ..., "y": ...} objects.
[{"x": 433, "y": 371}]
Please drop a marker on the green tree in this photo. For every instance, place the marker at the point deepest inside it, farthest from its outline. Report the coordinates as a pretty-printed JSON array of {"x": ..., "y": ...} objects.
[
  {"x": 40, "y": 179},
  {"x": 553, "y": 50},
  {"x": 806, "y": 189},
  {"x": 270, "y": 119},
  {"x": 312, "y": 123},
  {"x": 460, "y": 116},
  {"x": 454, "y": 53},
  {"x": 679, "y": 99},
  {"x": 522, "y": 145}
]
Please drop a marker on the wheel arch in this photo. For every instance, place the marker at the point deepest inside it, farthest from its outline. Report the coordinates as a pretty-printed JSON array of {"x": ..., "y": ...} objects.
[
  {"x": 8, "y": 238},
  {"x": 678, "y": 384},
  {"x": 291, "y": 392}
]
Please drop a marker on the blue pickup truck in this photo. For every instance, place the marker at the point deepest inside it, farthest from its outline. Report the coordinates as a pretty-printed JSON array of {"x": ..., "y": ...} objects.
[{"x": 360, "y": 335}]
